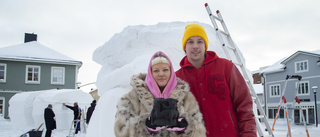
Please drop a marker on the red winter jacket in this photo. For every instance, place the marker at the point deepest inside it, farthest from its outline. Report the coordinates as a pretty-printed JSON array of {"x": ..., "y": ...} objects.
[{"x": 223, "y": 96}]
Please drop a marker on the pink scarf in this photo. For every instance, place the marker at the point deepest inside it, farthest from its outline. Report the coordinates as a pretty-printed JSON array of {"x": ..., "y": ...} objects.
[{"x": 152, "y": 84}]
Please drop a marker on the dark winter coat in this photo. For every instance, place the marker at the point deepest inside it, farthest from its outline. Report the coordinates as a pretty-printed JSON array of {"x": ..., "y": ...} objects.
[
  {"x": 76, "y": 112},
  {"x": 223, "y": 96},
  {"x": 135, "y": 107},
  {"x": 49, "y": 119},
  {"x": 90, "y": 111}
]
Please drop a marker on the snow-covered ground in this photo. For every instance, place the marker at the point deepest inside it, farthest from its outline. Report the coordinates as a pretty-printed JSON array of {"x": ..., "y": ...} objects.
[
  {"x": 8, "y": 130},
  {"x": 281, "y": 129}
]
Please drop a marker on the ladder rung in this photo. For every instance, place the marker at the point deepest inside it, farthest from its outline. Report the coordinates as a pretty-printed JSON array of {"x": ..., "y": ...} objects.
[
  {"x": 223, "y": 32},
  {"x": 236, "y": 63},
  {"x": 217, "y": 18},
  {"x": 253, "y": 98},
  {"x": 260, "y": 116},
  {"x": 257, "y": 101},
  {"x": 232, "y": 48},
  {"x": 247, "y": 81}
]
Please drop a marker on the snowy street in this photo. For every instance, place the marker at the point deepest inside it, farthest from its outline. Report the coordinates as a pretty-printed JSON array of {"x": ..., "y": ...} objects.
[
  {"x": 280, "y": 129},
  {"x": 8, "y": 130}
]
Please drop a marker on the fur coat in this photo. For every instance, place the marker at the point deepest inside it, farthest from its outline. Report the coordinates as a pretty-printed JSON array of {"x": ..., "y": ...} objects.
[{"x": 135, "y": 107}]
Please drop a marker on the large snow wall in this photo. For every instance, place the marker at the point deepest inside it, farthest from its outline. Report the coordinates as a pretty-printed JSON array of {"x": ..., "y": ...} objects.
[{"x": 26, "y": 109}]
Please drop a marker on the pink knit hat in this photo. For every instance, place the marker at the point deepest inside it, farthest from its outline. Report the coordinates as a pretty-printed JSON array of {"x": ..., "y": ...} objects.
[{"x": 152, "y": 84}]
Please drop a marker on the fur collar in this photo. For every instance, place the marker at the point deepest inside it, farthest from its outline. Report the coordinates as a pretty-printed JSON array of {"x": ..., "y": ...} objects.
[{"x": 145, "y": 96}]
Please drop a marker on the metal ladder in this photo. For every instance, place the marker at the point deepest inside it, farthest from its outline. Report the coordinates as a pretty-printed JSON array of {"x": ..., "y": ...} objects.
[
  {"x": 78, "y": 125},
  {"x": 229, "y": 46}
]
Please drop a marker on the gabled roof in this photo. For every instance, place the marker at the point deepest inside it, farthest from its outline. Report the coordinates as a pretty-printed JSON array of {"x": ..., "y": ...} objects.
[
  {"x": 280, "y": 65},
  {"x": 311, "y": 53},
  {"x": 35, "y": 52}
]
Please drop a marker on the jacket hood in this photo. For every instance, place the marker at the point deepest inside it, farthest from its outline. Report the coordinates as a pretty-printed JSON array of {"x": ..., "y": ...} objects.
[
  {"x": 152, "y": 84},
  {"x": 211, "y": 56}
]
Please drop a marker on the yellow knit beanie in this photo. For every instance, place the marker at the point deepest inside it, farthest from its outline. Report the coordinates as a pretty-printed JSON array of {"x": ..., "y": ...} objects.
[{"x": 194, "y": 30}]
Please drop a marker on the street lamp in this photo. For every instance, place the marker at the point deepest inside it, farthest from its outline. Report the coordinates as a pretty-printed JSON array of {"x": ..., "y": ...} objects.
[{"x": 314, "y": 88}]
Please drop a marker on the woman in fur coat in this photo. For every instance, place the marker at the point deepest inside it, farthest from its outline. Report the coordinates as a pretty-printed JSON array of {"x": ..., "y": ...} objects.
[{"x": 134, "y": 108}]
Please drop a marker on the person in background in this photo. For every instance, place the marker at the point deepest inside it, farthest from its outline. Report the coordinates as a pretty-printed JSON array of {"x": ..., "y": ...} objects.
[
  {"x": 90, "y": 110},
  {"x": 218, "y": 86},
  {"x": 76, "y": 115},
  {"x": 134, "y": 108},
  {"x": 49, "y": 118}
]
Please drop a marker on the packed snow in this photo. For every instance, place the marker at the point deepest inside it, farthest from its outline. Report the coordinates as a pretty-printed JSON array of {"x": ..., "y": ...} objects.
[{"x": 125, "y": 54}]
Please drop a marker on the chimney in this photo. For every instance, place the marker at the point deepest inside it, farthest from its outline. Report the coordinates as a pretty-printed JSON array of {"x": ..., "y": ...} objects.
[{"x": 30, "y": 37}]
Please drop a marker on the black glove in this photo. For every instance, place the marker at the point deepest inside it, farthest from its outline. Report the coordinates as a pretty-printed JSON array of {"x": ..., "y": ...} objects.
[
  {"x": 164, "y": 112},
  {"x": 181, "y": 126},
  {"x": 152, "y": 128}
]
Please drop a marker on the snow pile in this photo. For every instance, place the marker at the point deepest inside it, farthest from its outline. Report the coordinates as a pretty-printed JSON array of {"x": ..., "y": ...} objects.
[
  {"x": 26, "y": 109},
  {"x": 128, "y": 53}
]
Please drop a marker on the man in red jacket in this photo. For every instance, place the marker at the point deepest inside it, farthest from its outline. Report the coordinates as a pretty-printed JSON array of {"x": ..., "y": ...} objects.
[{"x": 218, "y": 86}]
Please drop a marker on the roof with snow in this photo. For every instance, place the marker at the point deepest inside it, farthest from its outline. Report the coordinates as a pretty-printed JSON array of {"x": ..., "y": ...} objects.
[
  {"x": 311, "y": 53},
  {"x": 280, "y": 65},
  {"x": 35, "y": 52}
]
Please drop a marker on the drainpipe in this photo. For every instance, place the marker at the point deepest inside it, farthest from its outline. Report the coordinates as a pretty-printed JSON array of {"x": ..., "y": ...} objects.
[{"x": 264, "y": 93}]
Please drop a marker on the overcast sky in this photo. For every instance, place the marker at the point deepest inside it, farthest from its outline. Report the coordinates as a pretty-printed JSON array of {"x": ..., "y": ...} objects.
[{"x": 265, "y": 30}]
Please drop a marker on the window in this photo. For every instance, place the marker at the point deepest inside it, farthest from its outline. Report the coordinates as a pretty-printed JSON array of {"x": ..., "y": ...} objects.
[
  {"x": 301, "y": 66},
  {"x": 273, "y": 112},
  {"x": 33, "y": 74},
  {"x": 3, "y": 71},
  {"x": 303, "y": 88},
  {"x": 275, "y": 90},
  {"x": 57, "y": 75},
  {"x": 1, "y": 106},
  {"x": 308, "y": 113},
  {"x": 311, "y": 116}
]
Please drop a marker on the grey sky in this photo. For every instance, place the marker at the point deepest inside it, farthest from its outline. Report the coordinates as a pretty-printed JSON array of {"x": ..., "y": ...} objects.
[{"x": 264, "y": 30}]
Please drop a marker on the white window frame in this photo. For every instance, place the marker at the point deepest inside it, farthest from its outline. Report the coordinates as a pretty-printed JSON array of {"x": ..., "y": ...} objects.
[
  {"x": 52, "y": 76},
  {"x": 5, "y": 73},
  {"x": 279, "y": 92},
  {"x": 304, "y": 69},
  {"x": 39, "y": 74},
  {"x": 306, "y": 88}
]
